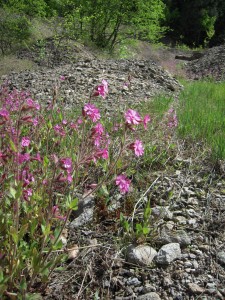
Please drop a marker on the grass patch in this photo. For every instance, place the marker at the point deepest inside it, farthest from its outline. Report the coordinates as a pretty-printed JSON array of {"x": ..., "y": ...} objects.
[
  {"x": 201, "y": 115},
  {"x": 11, "y": 63}
]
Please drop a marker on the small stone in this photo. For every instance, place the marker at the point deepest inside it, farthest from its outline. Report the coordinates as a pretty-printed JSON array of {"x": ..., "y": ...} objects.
[
  {"x": 141, "y": 255},
  {"x": 168, "y": 253},
  {"x": 221, "y": 258},
  {"x": 180, "y": 219},
  {"x": 179, "y": 236},
  {"x": 187, "y": 264},
  {"x": 195, "y": 289},
  {"x": 149, "y": 296},
  {"x": 148, "y": 288},
  {"x": 133, "y": 281},
  {"x": 167, "y": 281}
]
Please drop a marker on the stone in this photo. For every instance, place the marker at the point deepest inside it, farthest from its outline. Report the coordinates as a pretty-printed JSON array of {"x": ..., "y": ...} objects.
[
  {"x": 195, "y": 288},
  {"x": 162, "y": 212},
  {"x": 178, "y": 236},
  {"x": 141, "y": 255},
  {"x": 149, "y": 296},
  {"x": 221, "y": 258},
  {"x": 168, "y": 253},
  {"x": 84, "y": 213}
]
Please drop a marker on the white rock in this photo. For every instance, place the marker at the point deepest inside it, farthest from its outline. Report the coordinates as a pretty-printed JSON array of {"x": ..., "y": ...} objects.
[
  {"x": 168, "y": 253},
  {"x": 141, "y": 255},
  {"x": 149, "y": 296}
]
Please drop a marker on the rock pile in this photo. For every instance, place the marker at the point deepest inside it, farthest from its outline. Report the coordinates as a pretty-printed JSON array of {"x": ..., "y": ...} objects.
[
  {"x": 130, "y": 81},
  {"x": 210, "y": 65}
]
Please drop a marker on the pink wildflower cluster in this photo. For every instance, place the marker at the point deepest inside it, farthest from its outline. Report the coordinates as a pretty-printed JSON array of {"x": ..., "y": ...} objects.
[
  {"x": 172, "y": 118},
  {"x": 66, "y": 165},
  {"x": 123, "y": 183},
  {"x": 132, "y": 117},
  {"x": 92, "y": 112},
  {"x": 101, "y": 90},
  {"x": 137, "y": 147}
]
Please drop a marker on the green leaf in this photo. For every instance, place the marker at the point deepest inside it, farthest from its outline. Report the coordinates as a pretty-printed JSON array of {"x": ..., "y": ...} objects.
[
  {"x": 12, "y": 192},
  {"x": 45, "y": 161},
  {"x": 74, "y": 204},
  {"x": 104, "y": 190},
  {"x": 45, "y": 229},
  {"x": 139, "y": 228},
  {"x": 14, "y": 234},
  {"x": 22, "y": 231},
  {"x": 146, "y": 230},
  {"x": 13, "y": 146},
  {"x": 147, "y": 212},
  {"x": 58, "y": 245}
]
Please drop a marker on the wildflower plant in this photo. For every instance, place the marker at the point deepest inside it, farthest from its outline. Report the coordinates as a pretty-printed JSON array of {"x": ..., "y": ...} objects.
[{"x": 46, "y": 159}]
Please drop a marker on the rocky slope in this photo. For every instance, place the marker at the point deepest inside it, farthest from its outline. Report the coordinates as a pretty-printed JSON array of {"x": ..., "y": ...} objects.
[
  {"x": 144, "y": 79},
  {"x": 211, "y": 65}
]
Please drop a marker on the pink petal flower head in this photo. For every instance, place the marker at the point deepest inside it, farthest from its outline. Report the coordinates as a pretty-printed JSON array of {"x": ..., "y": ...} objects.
[
  {"x": 138, "y": 148},
  {"x": 4, "y": 113},
  {"x": 35, "y": 121},
  {"x": 101, "y": 90},
  {"x": 58, "y": 129},
  {"x": 56, "y": 213},
  {"x": 146, "y": 120},
  {"x": 30, "y": 104},
  {"x": 124, "y": 183},
  {"x": 25, "y": 141},
  {"x": 98, "y": 129},
  {"x": 23, "y": 158},
  {"x": 132, "y": 117},
  {"x": 103, "y": 153},
  {"x": 27, "y": 193},
  {"x": 91, "y": 111},
  {"x": 66, "y": 164},
  {"x": 62, "y": 78}
]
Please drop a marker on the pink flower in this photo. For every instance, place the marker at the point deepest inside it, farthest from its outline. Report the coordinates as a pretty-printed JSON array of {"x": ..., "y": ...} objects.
[
  {"x": 64, "y": 122},
  {"x": 25, "y": 141},
  {"x": 58, "y": 129},
  {"x": 146, "y": 120},
  {"x": 102, "y": 89},
  {"x": 132, "y": 117},
  {"x": 66, "y": 164},
  {"x": 91, "y": 111},
  {"x": 104, "y": 153},
  {"x": 31, "y": 104},
  {"x": 27, "y": 194},
  {"x": 138, "y": 148},
  {"x": 56, "y": 213},
  {"x": 4, "y": 113},
  {"x": 123, "y": 182},
  {"x": 35, "y": 121},
  {"x": 62, "y": 78},
  {"x": 23, "y": 157},
  {"x": 98, "y": 129}
]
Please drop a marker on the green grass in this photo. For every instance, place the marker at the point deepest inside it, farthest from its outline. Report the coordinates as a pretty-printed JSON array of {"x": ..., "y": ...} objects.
[{"x": 201, "y": 115}]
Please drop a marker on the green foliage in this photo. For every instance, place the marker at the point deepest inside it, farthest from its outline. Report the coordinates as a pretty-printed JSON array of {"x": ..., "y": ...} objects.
[
  {"x": 14, "y": 29},
  {"x": 107, "y": 23},
  {"x": 201, "y": 115}
]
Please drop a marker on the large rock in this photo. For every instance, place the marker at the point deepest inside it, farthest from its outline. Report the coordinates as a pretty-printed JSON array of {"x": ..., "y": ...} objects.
[
  {"x": 141, "y": 255},
  {"x": 149, "y": 296},
  {"x": 168, "y": 253}
]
